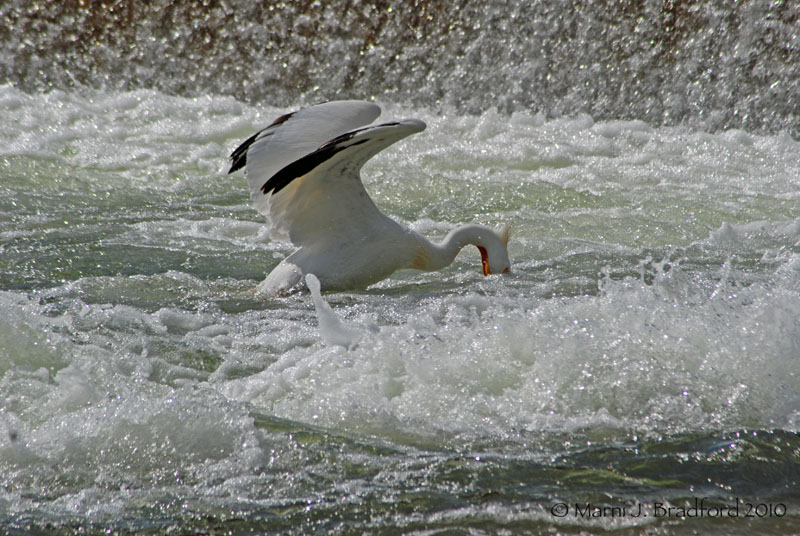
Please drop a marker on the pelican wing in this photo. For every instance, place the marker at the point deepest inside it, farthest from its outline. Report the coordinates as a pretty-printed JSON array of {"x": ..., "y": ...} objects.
[
  {"x": 291, "y": 137},
  {"x": 318, "y": 197}
]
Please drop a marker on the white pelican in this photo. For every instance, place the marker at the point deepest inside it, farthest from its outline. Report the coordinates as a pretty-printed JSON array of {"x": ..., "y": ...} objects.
[{"x": 303, "y": 173}]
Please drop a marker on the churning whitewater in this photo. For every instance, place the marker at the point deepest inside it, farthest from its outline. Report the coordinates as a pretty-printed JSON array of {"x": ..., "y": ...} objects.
[
  {"x": 654, "y": 296},
  {"x": 637, "y": 371}
]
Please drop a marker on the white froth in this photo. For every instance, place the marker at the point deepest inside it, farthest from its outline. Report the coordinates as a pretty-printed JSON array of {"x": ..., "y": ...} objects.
[
  {"x": 654, "y": 290},
  {"x": 333, "y": 330},
  {"x": 638, "y": 355}
]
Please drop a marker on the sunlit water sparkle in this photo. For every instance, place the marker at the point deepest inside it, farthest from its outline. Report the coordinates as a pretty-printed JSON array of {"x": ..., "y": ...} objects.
[{"x": 644, "y": 349}]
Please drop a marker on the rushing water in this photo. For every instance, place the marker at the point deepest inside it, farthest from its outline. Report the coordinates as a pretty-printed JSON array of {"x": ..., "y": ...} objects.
[
  {"x": 714, "y": 64},
  {"x": 641, "y": 363}
]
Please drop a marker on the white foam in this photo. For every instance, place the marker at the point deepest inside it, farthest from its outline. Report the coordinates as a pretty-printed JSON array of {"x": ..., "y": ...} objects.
[
  {"x": 741, "y": 234},
  {"x": 639, "y": 355},
  {"x": 655, "y": 289},
  {"x": 182, "y": 321},
  {"x": 331, "y": 327}
]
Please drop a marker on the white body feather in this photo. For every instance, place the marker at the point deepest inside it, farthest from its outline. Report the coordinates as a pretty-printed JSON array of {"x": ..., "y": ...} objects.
[{"x": 303, "y": 173}]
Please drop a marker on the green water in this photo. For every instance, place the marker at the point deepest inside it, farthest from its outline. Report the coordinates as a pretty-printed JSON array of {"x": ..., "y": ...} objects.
[{"x": 642, "y": 355}]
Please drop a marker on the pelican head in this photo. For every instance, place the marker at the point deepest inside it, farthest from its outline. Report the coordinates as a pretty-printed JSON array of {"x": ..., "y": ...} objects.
[{"x": 493, "y": 246}]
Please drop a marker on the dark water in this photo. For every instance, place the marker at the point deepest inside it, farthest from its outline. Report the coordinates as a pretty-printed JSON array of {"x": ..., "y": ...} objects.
[
  {"x": 715, "y": 64},
  {"x": 741, "y": 482}
]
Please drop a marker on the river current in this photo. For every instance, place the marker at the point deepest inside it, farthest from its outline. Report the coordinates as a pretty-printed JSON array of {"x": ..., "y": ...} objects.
[{"x": 637, "y": 372}]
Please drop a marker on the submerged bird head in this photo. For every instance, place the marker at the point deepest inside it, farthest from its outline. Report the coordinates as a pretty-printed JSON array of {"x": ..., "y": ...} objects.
[
  {"x": 493, "y": 246},
  {"x": 492, "y": 243}
]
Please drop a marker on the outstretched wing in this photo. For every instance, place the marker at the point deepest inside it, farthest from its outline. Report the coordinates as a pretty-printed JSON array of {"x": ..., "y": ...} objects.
[
  {"x": 318, "y": 197},
  {"x": 292, "y": 136}
]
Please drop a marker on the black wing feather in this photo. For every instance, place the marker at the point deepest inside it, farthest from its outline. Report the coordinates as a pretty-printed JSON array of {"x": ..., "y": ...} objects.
[
  {"x": 303, "y": 165},
  {"x": 239, "y": 156},
  {"x": 300, "y": 167}
]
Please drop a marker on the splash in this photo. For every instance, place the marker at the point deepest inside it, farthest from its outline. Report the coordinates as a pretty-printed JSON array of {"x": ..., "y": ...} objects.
[
  {"x": 333, "y": 330},
  {"x": 713, "y": 64}
]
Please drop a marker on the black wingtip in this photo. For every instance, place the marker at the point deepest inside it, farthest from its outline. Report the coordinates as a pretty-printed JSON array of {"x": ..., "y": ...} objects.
[
  {"x": 237, "y": 165},
  {"x": 239, "y": 156}
]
